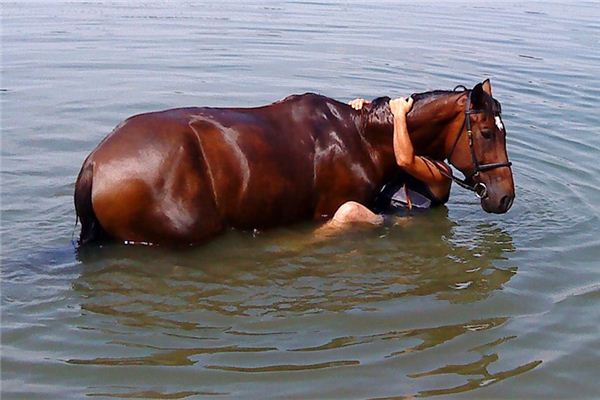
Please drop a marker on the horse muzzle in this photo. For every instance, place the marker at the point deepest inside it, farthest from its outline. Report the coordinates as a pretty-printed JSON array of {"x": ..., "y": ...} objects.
[{"x": 496, "y": 204}]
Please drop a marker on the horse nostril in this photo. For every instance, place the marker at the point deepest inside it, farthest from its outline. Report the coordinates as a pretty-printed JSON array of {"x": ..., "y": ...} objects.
[{"x": 506, "y": 202}]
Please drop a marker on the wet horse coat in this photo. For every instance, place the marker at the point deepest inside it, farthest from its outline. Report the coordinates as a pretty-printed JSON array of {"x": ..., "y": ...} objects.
[{"x": 181, "y": 176}]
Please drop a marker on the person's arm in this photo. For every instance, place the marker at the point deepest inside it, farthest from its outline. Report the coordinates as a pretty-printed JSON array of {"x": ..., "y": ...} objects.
[{"x": 421, "y": 168}]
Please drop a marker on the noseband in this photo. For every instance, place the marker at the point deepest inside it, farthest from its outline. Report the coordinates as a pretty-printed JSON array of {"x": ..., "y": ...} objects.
[{"x": 479, "y": 188}]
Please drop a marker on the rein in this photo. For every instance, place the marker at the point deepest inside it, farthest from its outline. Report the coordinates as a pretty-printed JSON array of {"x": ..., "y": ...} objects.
[{"x": 478, "y": 188}]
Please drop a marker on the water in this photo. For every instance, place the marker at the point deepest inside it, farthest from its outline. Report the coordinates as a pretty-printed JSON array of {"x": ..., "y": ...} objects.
[{"x": 455, "y": 303}]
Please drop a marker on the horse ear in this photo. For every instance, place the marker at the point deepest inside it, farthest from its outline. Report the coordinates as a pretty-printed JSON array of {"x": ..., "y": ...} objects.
[
  {"x": 487, "y": 87},
  {"x": 477, "y": 95}
]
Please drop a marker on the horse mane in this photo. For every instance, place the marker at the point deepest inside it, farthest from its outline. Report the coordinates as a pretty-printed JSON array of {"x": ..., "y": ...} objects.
[
  {"x": 378, "y": 113},
  {"x": 431, "y": 94},
  {"x": 381, "y": 104},
  {"x": 434, "y": 94}
]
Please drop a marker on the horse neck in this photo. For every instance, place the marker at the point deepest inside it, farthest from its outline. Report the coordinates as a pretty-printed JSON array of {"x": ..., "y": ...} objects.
[{"x": 433, "y": 122}]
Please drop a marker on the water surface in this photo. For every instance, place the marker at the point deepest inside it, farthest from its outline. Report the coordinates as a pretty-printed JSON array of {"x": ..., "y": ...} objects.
[{"x": 456, "y": 303}]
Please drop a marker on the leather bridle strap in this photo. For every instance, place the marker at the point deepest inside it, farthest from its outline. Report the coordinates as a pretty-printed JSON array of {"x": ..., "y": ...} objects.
[{"x": 479, "y": 188}]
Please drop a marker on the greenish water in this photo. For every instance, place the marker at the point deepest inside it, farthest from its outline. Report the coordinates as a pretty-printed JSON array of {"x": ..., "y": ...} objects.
[{"x": 456, "y": 303}]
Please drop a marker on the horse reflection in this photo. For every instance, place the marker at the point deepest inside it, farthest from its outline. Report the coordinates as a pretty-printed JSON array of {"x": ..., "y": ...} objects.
[
  {"x": 279, "y": 274},
  {"x": 233, "y": 305}
]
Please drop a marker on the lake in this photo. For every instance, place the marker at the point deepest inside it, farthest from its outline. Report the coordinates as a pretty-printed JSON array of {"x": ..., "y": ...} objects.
[{"x": 454, "y": 303}]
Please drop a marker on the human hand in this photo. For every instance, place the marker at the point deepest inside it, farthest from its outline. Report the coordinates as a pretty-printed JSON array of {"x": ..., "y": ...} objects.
[
  {"x": 357, "y": 104},
  {"x": 401, "y": 106}
]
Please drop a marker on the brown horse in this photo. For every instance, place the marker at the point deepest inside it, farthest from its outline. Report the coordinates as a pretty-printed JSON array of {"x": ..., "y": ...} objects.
[{"x": 181, "y": 176}]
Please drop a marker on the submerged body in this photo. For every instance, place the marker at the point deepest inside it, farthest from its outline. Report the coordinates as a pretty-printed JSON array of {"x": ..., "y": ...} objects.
[{"x": 405, "y": 193}]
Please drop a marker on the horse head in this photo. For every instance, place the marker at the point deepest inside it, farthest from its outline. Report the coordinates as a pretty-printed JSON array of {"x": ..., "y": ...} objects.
[{"x": 479, "y": 150}]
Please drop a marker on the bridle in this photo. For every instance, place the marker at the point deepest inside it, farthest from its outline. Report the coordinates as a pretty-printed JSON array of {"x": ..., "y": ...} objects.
[{"x": 479, "y": 188}]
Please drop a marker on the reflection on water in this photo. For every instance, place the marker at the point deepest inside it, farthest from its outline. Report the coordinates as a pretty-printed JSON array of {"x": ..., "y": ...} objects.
[
  {"x": 166, "y": 357},
  {"x": 151, "y": 394},
  {"x": 273, "y": 274},
  {"x": 476, "y": 368},
  {"x": 284, "y": 274}
]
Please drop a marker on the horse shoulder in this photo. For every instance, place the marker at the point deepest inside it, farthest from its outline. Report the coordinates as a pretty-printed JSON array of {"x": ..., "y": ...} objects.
[{"x": 344, "y": 167}]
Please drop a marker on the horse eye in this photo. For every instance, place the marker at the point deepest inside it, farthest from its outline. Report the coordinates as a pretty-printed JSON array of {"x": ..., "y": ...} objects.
[{"x": 487, "y": 134}]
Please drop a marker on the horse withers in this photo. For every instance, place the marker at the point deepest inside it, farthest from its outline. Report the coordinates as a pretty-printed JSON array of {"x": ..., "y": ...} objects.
[{"x": 181, "y": 176}]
